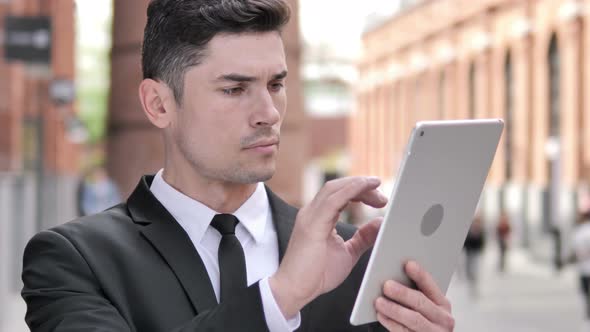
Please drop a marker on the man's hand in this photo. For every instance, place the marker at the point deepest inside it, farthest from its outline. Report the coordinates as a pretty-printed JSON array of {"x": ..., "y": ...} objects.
[
  {"x": 403, "y": 309},
  {"x": 317, "y": 259}
]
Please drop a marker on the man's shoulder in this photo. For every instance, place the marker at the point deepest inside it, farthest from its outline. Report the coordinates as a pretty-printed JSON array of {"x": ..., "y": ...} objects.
[
  {"x": 109, "y": 224},
  {"x": 94, "y": 240}
]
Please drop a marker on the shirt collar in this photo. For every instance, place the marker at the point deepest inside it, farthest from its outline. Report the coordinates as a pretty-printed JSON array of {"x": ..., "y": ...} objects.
[
  {"x": 254, "y": 213},
  {"x": 194, "y": 216}
]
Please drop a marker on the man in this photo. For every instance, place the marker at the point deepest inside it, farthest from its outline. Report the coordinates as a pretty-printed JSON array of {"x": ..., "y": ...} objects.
[
  {"x": 96, "y": 192},
  {"x": 580, "y": 255},
  {"x": 203, "y": 245}
]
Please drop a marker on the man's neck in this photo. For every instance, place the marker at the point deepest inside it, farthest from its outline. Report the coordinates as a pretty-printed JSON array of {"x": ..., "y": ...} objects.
[{"x": 219, "y": 196}]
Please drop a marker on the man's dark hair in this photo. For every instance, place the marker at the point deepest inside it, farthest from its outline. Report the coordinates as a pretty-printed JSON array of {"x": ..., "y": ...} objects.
[{"x": 177, "y": 32}]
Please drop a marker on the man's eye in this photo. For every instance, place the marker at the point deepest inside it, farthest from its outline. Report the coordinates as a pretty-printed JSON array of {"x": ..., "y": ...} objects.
[
  {"x": 277, "y": 86},
  {"x": 233, "y": 91}
]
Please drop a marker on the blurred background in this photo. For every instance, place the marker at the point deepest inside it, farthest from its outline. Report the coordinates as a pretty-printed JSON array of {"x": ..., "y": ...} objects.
[{"x": 73, "y": 139}]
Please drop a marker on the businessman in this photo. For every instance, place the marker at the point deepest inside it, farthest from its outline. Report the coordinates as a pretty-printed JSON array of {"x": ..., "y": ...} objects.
[{"x": 204, "y": 245}]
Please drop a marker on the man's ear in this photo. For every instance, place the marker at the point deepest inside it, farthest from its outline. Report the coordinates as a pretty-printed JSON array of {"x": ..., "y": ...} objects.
[{"x": 157, "y": 102}]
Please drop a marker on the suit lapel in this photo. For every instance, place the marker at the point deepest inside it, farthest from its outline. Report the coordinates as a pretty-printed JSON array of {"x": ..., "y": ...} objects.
[
  {"x": 173, "y": 244},
  {"x": 283, "y": 216},
  {"x": 171, "y": 241}
]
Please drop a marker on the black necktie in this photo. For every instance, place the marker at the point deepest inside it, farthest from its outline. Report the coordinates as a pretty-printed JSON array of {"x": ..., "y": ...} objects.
[{"x": 232, "y": 264}]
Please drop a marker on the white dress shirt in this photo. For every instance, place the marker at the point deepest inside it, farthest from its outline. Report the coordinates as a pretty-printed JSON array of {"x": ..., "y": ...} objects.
[{"x": 255, "y": 231}]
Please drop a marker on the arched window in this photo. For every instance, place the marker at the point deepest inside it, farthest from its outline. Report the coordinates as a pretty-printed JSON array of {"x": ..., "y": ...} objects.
[
  {"x": 509, "y": 109},
  {"x": 472, "y": 91}
]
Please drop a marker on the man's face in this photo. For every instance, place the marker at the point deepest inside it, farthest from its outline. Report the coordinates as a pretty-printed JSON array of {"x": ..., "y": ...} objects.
[{"x": 228, "y": 125}]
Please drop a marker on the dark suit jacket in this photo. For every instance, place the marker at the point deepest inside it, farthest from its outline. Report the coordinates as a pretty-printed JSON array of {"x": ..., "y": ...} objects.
[{"x": 133, "y": 268}]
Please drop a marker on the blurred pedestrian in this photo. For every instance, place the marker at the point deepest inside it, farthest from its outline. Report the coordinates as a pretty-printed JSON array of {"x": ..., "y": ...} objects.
[
  {"x": 555, "y": 232},
  {"x": 580, "y": 248},
  {"x": 473, "y": 246},
  {"x": 503, "y": 233},
  {"x": 96, "y": 192}
]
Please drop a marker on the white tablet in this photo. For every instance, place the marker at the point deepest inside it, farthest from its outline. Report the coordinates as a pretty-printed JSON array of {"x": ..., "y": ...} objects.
[{"x": 431, "y": 207}]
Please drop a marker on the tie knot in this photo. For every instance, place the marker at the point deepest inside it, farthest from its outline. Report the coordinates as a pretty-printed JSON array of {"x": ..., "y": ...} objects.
[{"x": 225, "y": 223}]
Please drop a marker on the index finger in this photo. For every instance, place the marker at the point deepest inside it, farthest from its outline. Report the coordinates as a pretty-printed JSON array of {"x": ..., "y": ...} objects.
[
  {"x": 361, "y": 189},
  {"x": 426, "y": 284},
  {"x": 335, "y": 185},
  {"x": 373, "y": 198}
]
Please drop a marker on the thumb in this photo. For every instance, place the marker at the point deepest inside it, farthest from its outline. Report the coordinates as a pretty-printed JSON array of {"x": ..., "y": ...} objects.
[{"x": 364, "y": 238}]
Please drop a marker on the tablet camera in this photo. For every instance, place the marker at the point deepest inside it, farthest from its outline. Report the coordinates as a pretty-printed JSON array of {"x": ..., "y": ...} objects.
[{"x": 432, "y": 219}]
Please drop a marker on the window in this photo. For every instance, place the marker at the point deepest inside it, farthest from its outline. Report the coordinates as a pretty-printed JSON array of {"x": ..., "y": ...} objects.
[
  {"x": 554, "y": 93},
  {"x": 472, "y": 91},
  {"x": 417, "y": 99},
  {"x": 441, "y": 95}
]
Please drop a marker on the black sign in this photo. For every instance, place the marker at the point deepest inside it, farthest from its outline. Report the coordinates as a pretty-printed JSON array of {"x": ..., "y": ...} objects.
[{"x": 27, "y": 39}]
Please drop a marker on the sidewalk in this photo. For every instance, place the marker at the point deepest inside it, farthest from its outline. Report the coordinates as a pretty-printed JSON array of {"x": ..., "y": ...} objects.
[{"x": 528, "y": 297}]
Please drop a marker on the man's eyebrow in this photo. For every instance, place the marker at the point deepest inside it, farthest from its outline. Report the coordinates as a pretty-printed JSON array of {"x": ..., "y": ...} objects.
[
  {"x": 236, "y": 78},
  {"x": 279, "y": 76},
  {"x": 244, "y": 78}
]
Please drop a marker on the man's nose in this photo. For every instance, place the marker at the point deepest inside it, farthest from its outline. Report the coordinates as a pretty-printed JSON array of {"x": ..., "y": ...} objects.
[{"x": 266, "y": 113}]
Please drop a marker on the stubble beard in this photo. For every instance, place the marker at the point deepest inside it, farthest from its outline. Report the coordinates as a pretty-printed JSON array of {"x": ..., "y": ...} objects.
[{"x": 234, "y": 172}]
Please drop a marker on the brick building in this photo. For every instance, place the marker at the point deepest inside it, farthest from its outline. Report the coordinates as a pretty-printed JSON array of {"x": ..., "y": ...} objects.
[
  {"x": 38, "y": 160},
  {"x": 522, "y": 60},
  {"x": 135, "y": 145}
]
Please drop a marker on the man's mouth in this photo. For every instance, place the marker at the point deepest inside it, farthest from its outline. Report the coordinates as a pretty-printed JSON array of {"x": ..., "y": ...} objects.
[{"x": 263, "y": 143}]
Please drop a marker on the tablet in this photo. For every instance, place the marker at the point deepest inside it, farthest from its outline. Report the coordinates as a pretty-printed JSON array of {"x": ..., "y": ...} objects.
[{"x": 431, "y": 207}]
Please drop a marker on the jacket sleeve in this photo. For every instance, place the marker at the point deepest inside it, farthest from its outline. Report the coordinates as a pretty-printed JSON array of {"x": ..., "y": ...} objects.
[
  {"x": 63, "y": 294},
  {"x": 377, "y": 327}
]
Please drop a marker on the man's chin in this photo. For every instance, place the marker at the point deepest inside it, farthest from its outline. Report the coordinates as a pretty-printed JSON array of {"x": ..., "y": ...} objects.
[
  {"x": 266, "y": 176},
  {"x": 255, "y": 177}
]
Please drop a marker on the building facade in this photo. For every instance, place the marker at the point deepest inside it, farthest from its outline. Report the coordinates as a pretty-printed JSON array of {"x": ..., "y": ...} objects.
[
  {"x": 38, "y": 158},
  {"x": 521, "y": 60}
]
